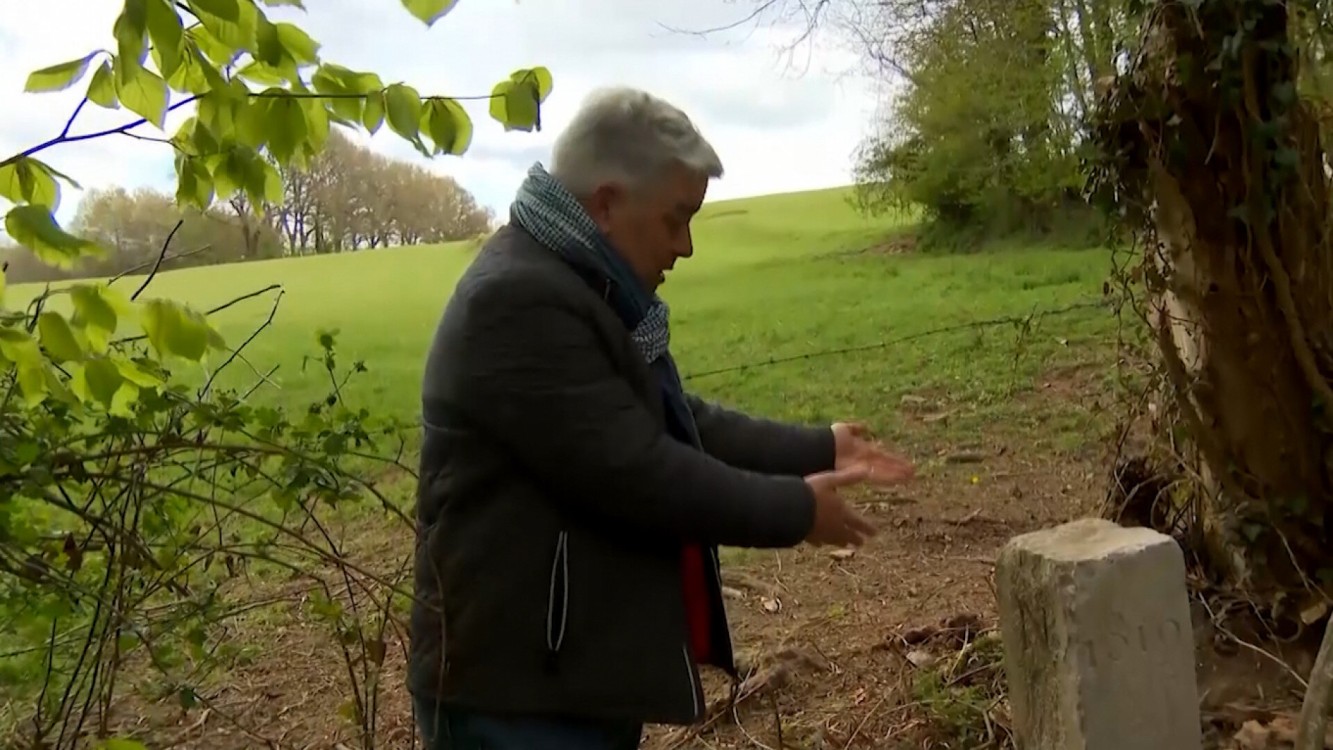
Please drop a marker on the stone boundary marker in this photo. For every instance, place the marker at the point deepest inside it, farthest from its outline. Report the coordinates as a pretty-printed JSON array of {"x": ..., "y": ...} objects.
[{"x": 1098, "y": 647}]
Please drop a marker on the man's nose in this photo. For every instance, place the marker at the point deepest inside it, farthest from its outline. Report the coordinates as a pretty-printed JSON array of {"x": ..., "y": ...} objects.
[{"x": 685, "y": 248}]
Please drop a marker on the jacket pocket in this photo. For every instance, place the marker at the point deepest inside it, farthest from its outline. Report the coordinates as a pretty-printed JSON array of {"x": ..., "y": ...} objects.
[{"x": 557, "y": 604}]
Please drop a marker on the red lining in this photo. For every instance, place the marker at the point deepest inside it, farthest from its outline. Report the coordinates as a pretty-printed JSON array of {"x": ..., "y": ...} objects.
[{"x": 698, "y": 613}]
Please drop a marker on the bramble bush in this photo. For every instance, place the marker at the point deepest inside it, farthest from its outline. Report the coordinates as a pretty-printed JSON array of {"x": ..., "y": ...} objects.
[{"x": 136, "y": 490}]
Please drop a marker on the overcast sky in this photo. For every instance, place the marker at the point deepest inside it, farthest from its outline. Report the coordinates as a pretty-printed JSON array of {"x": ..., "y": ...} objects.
[{"x": 780, "y": 121}]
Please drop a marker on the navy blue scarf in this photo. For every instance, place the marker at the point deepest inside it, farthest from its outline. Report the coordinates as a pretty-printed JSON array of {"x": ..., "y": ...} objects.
[{"x": 551, "y": 214}]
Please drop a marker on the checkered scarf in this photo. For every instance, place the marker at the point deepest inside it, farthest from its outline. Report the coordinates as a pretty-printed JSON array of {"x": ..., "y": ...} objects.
[{"x": 552, "y": 215}]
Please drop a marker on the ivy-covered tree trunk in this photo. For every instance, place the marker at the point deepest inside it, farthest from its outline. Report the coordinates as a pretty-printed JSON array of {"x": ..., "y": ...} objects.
[{"x": 1206, "y": 141}]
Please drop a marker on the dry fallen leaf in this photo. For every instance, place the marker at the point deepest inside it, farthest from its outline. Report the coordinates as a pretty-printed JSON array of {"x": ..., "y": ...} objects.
[{"x": 771, "y": 604}]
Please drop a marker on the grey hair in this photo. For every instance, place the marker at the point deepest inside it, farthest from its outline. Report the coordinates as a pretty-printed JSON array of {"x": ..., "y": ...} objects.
[{"x": 628, "y": 136}]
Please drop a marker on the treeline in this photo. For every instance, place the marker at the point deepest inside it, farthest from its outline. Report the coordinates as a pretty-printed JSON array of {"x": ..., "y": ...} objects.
[
  {"x": 986, "y": 129},
  {"x": 350, "y": 198}
]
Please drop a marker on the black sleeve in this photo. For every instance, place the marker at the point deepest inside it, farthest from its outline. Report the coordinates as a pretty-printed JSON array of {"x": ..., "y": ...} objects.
[
  {"x": 762, "y": 445},
  {"x": 532, "y": 373}
]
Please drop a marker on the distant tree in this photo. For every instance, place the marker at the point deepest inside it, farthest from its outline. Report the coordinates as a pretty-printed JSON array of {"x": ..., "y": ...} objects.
[{"x": 352, "y": 198}]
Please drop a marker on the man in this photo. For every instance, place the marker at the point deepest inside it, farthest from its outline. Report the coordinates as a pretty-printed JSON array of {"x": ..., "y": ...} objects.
[{"x": 572, "y": 495}]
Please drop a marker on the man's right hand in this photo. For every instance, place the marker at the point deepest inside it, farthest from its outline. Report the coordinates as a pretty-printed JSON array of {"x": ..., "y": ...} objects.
[{"x": 836, "y": 523}]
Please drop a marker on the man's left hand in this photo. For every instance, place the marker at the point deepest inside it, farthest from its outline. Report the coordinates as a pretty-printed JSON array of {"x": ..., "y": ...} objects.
[{"x": 857, "y": 448}]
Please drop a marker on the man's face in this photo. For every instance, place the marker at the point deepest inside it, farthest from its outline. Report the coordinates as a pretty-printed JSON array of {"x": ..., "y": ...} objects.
[{"x": 650, "y": 228}]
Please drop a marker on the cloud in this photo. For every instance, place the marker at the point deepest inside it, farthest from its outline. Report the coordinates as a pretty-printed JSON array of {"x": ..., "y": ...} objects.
[{"x": 780, "y": 122}]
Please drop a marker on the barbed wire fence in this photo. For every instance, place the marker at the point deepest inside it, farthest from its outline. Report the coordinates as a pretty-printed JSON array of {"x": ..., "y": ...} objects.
[{"x": 1025, "y": 323}]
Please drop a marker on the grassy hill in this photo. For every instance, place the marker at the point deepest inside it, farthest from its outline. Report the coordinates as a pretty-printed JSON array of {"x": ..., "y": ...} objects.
[{"x": 773, "y": 276}]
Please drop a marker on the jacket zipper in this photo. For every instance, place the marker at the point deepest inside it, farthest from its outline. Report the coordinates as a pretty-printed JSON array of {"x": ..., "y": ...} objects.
[
  {"x": 689, "y": 675},
  {"x": 555, "y": 624}
]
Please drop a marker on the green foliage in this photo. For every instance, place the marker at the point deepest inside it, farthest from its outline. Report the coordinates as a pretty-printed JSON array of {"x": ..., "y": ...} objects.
[
  {"x": 117, "y": 445},
  {"x": 987, "y": 135}
]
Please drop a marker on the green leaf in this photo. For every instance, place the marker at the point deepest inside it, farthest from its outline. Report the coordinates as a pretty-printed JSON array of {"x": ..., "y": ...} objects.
[
  {"x": 130, "y": 30},
  {"x": 59, "y": 77},
  {"x": 33, "y": 382},
  {"x": 97, "y": 309},
  {"x": 225, "y": 10},
  {"x": 167, "y": 35},
  {"x": 102, "y": 89},
  {"x": 27, "y": 180},
  {"x": 194, "y": 183},
  {"x": 19, "y": 347},
  {"x": 175, "y": 330},
  {"x": 286, "y": 127},
  {"x": 210, "y": 47},
  {"x": 268, "y": 47},
  {"x": 137, "y": 375},
  {"x": 298, "y": 44},
  {"x": 235, "y": 29},
  {"x": 538, "y": 77},
  {"x": 403, "y": 105},
  {"x": 514, "y": 104},
  {"x": 58, "y": 338},
  {"x": 449, "y": 126},
  {"x": 317, "y": 123},
  {"x": 33, "y": 227},
  {"x": 254, "y": 120},
  {"x": 373, "y": 117},
  {"x": 103, "y": 379},
  {"x": 429, "y": 11},
  {"x": 145, "y": 94},
  {"x": 273, "y": 190}
]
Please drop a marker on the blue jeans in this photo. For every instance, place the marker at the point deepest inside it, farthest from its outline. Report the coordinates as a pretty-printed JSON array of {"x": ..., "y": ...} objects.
[{"x": 445, "y": 728}]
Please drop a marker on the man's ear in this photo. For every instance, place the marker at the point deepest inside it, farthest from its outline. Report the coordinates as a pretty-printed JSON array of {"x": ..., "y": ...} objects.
[{"x": 601, "y": 204}]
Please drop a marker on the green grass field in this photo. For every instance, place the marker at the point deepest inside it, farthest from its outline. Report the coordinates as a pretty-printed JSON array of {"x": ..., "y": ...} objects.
[{"x": 772, "y": 277}]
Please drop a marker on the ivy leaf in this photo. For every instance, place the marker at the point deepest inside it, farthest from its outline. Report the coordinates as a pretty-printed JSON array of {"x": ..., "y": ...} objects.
[
  {"x": 449, "y": 126},
  {"x": 58, "y": 338},
  {"x": 102, "y": 89},
  {"x": 403, "y": 105},
  {"x": 59, "y": 77},
  {"x": 144, "y": 93},
  {"x": 429, "y": 11},
  {"x": 33, "y": 227}
]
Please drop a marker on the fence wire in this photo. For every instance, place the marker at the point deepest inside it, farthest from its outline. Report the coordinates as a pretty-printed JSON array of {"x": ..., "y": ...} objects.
[{"x": 1020, "y": 320}]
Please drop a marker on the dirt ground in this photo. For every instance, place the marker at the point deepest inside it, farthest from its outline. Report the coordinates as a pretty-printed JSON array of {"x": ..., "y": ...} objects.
[{"x": 890, "y": 647}]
